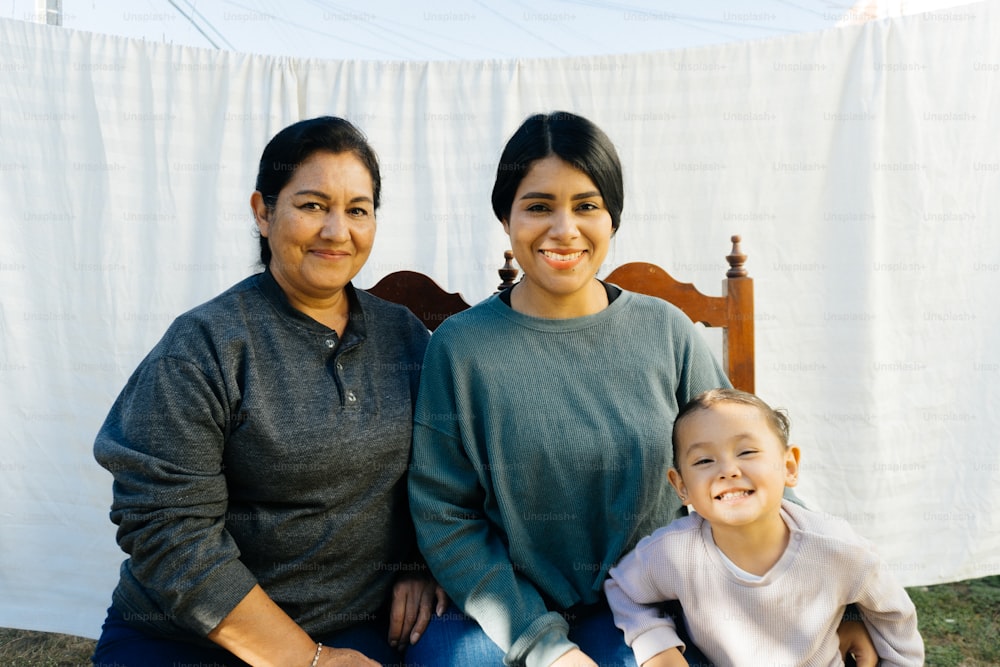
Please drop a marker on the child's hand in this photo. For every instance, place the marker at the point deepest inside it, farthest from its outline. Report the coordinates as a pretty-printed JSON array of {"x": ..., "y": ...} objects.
[
  {"x": 672, "y": 657},
  {"x": 574, "y": 658}
]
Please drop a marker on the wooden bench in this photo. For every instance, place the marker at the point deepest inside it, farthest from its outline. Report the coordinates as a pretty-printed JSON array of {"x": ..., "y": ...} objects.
[{"x": 732, "y": 312}]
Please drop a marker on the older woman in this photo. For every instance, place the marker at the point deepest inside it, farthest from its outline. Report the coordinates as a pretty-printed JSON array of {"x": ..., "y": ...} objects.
[
  {"x": 543, "y": 425},
  {"x": 259, "y": 450}
]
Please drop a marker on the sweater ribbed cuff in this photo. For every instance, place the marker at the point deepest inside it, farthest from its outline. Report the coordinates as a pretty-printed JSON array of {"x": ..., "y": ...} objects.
[
  {"x": 217, "y": 597},
  {"x": 655, "y": 640},
  {"x": 541, "y": 643}
]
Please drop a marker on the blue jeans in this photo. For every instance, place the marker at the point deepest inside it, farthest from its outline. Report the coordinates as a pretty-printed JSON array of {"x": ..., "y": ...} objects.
[
  {"x": 121, "y": 645},
  {"x": 455, "y": 640}
]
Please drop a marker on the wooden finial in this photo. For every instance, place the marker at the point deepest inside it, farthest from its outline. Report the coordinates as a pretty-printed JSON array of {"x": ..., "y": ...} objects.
[
  {"x": 508, "y": 274},
  {"x": 736, "y": 260}
]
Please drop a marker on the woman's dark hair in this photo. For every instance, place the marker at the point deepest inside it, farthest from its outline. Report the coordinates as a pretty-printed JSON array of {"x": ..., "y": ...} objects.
[
  {"x": 295, "y": 144},
  {"x": 572, "y": 138}
]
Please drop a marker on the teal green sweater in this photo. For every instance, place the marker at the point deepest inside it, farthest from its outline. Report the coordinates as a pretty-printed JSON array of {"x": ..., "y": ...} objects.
[{"x": 540, "y": 455}]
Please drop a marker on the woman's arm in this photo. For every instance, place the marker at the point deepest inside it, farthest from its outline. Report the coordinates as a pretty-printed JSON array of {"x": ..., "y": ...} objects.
[
  {"x": 465, "y": 549},
  {"x": 258, "y": 632},
  {"x": 163, "y": 442},
  {"x": 855, "y": 641},
  {"x": 467, "y": 555}
]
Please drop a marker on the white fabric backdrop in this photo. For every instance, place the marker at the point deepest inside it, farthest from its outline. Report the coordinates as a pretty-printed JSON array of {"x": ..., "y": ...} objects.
[{"x": 860, "y": 165}]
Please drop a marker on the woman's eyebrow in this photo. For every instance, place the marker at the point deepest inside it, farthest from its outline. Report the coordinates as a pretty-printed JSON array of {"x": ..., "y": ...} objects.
[
  {"x": 545, "y": 195},
  {"x": 315, "y": 193},
  {"x": 323, "y": 195}
]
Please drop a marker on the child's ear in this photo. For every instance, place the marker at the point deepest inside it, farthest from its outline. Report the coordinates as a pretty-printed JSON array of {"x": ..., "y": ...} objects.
[
  {"x": 792, "y": 466},
  {"x": 676, "y": 481}
]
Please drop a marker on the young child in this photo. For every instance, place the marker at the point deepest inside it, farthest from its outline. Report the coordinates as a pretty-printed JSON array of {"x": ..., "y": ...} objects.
[{"x": 761, "y": 580}]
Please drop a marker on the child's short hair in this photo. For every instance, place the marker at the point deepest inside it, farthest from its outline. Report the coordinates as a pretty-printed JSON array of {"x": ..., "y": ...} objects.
[{"x": 776, "y": 418}]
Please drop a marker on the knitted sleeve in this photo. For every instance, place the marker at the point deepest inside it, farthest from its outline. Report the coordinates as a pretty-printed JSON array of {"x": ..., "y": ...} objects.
[
  {"x": 163, "y": 441},
  {"x": 642, "y": 579},
  {"x": 462, "y": 548},
  {"x": 890, "y": 617}
]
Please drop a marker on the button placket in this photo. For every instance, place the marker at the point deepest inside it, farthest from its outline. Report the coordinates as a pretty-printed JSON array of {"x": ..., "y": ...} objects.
[{"x": 350, "y": 398}]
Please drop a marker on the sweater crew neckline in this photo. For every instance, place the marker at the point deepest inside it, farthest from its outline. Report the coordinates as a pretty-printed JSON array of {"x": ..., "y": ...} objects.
[
  {"x": 559, "y": 325},
  {"x": 719, "y": 559}
]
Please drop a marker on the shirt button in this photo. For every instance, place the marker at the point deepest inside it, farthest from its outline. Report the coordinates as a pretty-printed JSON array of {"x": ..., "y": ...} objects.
[
  {"x": 331, "y": 343},
  {"x": 351, "y": 398},
  {"x": 340, "y": 366}
]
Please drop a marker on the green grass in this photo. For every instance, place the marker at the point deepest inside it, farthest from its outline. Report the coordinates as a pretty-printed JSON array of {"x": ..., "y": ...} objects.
[{"x": 960, "y": 624}]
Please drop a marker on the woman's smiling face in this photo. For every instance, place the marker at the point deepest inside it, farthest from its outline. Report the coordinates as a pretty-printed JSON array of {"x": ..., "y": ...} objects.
[
  {"x": 322, "y": 228},
  {"x": 560, "y": 231}
]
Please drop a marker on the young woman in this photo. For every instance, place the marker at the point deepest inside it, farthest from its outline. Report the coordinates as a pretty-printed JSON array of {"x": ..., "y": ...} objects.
[{"x": 543, "y": 420}]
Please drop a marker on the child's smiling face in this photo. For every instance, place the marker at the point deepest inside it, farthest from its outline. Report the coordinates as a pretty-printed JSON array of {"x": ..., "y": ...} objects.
[{"x": 732, "y": 466}]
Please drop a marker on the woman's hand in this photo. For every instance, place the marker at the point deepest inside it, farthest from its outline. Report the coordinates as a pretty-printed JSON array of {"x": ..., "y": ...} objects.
[
  {"x": 413, "y": 598},
  {"x": 574, "y": 658},
  {"x": 855, "y": 640}
]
